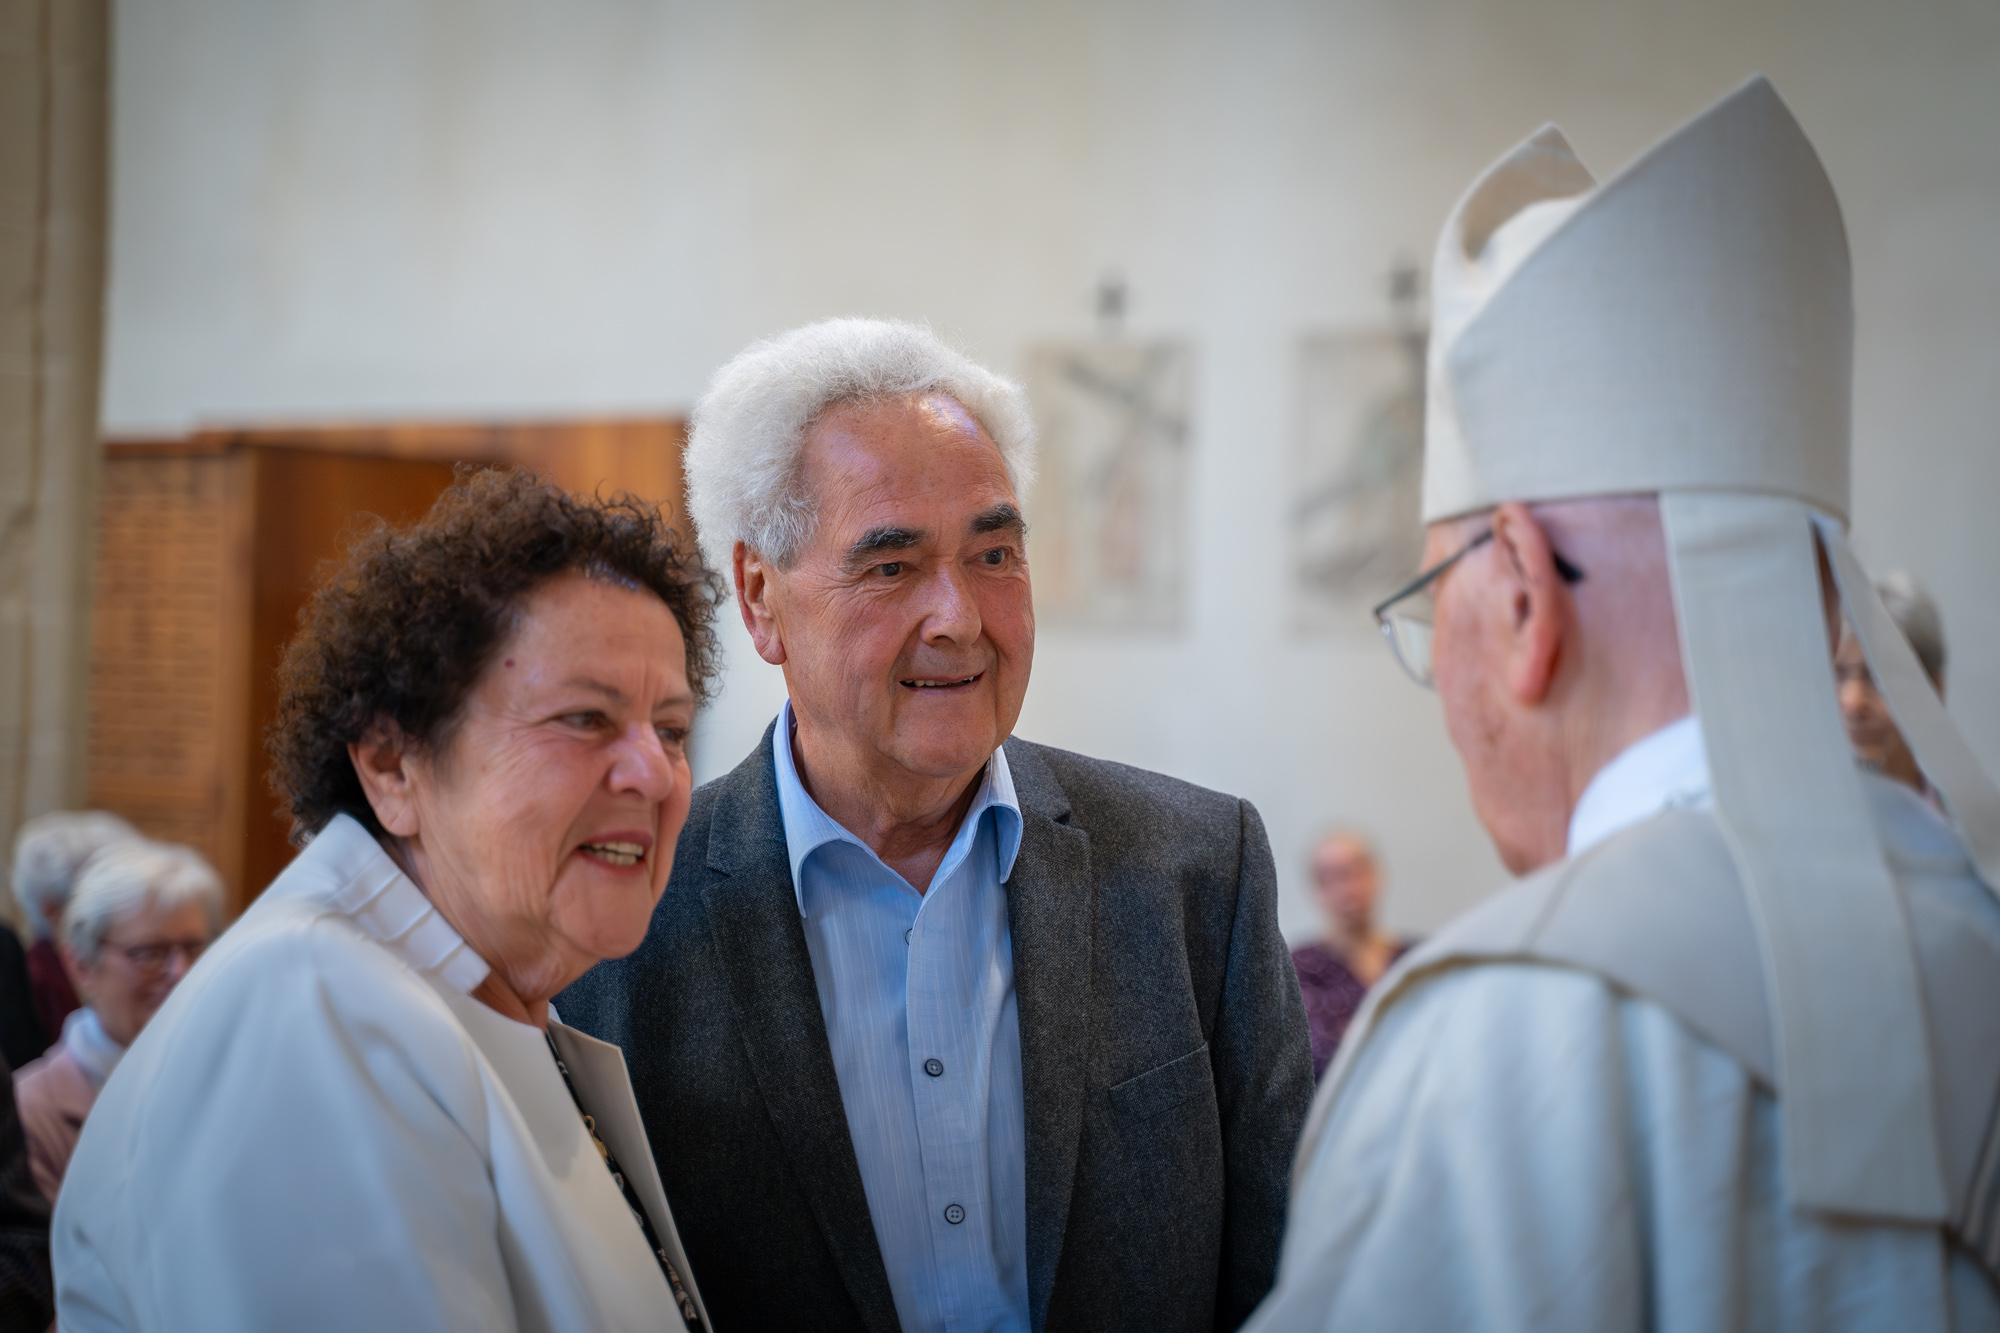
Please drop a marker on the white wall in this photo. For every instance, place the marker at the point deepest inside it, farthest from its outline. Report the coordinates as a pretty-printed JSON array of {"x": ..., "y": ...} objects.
[{"x": 359, "y": 208}]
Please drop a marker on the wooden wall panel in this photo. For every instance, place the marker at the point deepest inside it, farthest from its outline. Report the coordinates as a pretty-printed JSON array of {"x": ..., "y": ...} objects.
[
  {"x": 640, "y": 455},
  {"x": 169, "y": 622},
  {"x": 308, "y": 508}
]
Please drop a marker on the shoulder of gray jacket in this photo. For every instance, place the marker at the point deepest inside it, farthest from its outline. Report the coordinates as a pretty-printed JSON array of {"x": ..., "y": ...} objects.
[{"x": 1113, "y": 793}]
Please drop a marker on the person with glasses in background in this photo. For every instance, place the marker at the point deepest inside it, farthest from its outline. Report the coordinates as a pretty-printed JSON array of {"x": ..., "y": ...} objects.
[
  {"x": 139, "y": 915},
  {"x": 1727, "y": 1057}
]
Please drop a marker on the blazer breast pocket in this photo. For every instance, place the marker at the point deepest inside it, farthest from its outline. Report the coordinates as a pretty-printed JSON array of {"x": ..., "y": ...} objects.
[{"x": 1164, "y": 1087}]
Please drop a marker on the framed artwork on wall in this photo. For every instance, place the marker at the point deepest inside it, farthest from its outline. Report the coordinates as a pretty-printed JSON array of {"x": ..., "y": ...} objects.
[
  {"x": 1356, "y": 475},
  {"x": 1107, "y": 515}
]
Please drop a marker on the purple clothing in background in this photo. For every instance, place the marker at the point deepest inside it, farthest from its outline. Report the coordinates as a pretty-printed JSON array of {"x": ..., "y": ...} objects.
[
  {"x": 1332, "y": 995},
  {"x": 55, "y": 998}
]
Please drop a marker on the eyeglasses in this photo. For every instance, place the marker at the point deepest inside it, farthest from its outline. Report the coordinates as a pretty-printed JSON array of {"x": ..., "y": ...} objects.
[
  {"x": 1407, "y": 616},
  {"x": 151, "y": 958}
]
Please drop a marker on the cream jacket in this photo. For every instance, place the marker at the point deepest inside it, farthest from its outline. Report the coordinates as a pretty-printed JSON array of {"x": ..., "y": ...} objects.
[{"x": 321, "y": 1129}]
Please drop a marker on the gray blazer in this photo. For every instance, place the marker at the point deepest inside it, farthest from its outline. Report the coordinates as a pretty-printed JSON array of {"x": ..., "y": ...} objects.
[{"x": 1164, "y": 1059}]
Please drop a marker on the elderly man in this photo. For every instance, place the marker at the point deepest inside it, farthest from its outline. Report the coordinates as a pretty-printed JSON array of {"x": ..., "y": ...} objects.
[
  {"x": 1871, "y": 726},
  {"x": 1729, "y": 1057},
  {"x": 935, "y": 1028},
  {"x": 1337, "y": 969}
]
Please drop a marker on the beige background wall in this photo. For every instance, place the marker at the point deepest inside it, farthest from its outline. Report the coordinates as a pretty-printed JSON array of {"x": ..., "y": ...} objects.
[
  {"x": 371, "y": 207},
  {"x": 53, "y": 132}
]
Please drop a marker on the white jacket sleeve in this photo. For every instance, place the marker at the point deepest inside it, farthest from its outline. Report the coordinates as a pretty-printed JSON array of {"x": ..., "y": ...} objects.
[{"x": 308, "y": 1157}]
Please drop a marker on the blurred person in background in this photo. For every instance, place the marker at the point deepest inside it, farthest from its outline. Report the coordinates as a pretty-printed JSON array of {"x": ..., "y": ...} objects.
[
  {"x": 48, "y": 851},
  {"x": 20, "y": 1027},
  {"x": 140, "y": 914},
  {"x": 358, "y": 1111},
  {"x": 1336, "y": 970},
  {"x": 1871, "y": 728},
  {"x": 27, "y": 1285}
]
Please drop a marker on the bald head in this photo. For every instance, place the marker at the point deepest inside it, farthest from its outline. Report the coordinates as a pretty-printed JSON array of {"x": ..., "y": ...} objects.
[
  {"x": 1346, "y": 881},
  {"x": 1545, "y": 680}
]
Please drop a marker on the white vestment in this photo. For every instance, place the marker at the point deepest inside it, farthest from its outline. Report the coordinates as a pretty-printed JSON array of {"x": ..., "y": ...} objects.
[
  {"x": 322, "y": 1129},
  {"x": 1516, "y": 1143}
]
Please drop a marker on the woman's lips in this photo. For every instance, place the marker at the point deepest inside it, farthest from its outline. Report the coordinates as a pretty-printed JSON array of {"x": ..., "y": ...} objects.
[{"x": 620, "y": 850}]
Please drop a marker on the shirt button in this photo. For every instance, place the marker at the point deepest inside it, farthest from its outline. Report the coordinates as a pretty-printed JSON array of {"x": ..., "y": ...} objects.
[
  {"x": 934, "y": 1067},
  {"x": 954, "y": 1214},
  {"x": 906, "y": 935}
]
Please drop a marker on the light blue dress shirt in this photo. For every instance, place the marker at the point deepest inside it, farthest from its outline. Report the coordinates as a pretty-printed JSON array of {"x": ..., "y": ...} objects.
[{"x": 918, "y": 995}]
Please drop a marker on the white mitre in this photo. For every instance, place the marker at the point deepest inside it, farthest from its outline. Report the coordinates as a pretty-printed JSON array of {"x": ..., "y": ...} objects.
[{"x": 1686, "y": 329}]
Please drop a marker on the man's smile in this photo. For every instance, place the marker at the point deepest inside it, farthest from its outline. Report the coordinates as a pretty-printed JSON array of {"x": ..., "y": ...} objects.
[{"x": 941, "y": 682}]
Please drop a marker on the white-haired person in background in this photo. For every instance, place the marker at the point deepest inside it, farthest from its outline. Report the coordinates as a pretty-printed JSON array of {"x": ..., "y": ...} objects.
[
  {"x": 1006, "y": 1037},
  {"x": 1871, "y": 726},
  {"x": 140, "y": 914},
  {"x": 48, "y": 851}
]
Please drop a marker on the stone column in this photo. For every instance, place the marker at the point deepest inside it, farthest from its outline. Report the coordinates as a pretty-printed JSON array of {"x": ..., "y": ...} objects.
[{"x": 54, "y": 133}]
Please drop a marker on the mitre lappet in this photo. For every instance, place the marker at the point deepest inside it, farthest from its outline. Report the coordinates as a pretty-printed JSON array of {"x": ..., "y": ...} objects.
[{"x": 1686, "y": 329}]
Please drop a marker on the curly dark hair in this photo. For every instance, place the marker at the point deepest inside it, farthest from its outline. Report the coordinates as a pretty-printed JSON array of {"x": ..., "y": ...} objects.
[{"x": 401, "y": 629}]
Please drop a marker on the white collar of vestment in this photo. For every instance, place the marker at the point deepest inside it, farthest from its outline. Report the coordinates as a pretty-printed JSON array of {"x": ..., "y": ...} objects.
[
  {"x": 93, "y": 1049},
  {"x": 390, "y": 909},
  {"x": 1667, "y": 770},
  {"x": 808, "y": 828}
]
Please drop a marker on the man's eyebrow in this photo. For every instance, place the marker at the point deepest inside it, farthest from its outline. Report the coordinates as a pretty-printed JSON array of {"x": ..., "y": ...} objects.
[
  {"x": 876, "y": 541},
  {"x": 1000, "y": 518}
]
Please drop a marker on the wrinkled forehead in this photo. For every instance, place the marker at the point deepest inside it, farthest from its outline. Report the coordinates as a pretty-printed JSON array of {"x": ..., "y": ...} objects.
[
  {"x": 924, "y": 450},
  {"x": 933, "y": 412}
]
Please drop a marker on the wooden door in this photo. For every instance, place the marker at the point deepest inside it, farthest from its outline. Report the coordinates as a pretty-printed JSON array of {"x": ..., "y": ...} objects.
[{"x": 308, "y": 508}]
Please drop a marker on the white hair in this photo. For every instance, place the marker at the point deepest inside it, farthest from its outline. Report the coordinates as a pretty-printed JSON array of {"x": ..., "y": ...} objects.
[
  {"x": 124, "y": 878},
  {"x": 743, "y": 474},
  {"x": 1916, "y": 614},
  {"x": 48, "y": 851}
]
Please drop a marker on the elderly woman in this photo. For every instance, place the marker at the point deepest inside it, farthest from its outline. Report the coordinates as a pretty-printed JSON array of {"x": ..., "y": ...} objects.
[
  {"x": 359, "y": 1112},
  {"x": 48, "y": 851},
  {"x": 139, "y": 915}
]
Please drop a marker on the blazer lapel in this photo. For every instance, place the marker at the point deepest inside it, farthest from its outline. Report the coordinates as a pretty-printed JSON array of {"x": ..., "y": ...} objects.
[
  {"x": 598, "y": 1069},
  {"x": 753, "y": 912},
  {"x": 1049, "y": 913}
]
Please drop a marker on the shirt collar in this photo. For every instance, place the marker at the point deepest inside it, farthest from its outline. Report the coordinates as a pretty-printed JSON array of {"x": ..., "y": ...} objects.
[
  {"x": 389, "y": 908},
  {"x": 1667, "y": 770},
  {"x": 95, "y": 1053},
  {"x": 808, "y": 828}
]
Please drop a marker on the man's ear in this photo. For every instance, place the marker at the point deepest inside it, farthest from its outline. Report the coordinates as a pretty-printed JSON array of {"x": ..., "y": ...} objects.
[
  {"x": 1539, "y": 611},
  {"x": 383, "y": 759},
  {"x": 754, "y": 579}
]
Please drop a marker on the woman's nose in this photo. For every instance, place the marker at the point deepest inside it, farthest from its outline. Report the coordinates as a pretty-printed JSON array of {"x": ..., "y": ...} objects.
[{"x": 643, "y": 765}]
